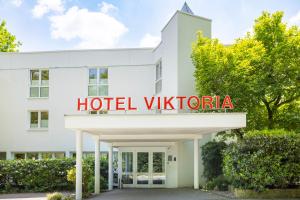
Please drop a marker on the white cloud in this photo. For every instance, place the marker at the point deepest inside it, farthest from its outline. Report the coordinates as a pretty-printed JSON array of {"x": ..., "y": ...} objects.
[
  {"x": 295, "y": 20},
  {"x": 45, "y": 6},
  {"x": 17, "y": 3},
  {"x": 149, "y": 41},
  {"x": 93, "y": 29},
  {"x": 107, "y": 7}
]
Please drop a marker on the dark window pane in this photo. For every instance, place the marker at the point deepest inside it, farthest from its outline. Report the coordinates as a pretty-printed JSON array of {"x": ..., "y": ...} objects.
[
  {"x": 142, "y": 162},
  {"x": 19, "y": 156},
  {"x": 2, "y": 155},
  {"x": 45, "y": 77},
  {"x": 34, "y": 77},
  {"x": 103, "y": 75},
  {"x": 92, "y": 76},
  {"x": 44, "y": 119},
  {"x": 34, "y": 120},
  {"x": 33, "y": 156}
]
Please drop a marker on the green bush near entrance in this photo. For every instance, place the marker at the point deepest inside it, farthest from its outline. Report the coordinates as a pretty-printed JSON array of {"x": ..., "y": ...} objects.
[
  {"x": 264, "y": 160},
  {"x": 44, "y": 175}
]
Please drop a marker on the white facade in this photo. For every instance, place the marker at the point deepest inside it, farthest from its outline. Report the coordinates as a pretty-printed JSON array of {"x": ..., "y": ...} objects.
[{"x": 131, "y": 73}]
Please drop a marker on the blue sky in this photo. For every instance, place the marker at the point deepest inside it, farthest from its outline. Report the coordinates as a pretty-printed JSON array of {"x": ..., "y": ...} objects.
[{"x": 43, "y": 25}]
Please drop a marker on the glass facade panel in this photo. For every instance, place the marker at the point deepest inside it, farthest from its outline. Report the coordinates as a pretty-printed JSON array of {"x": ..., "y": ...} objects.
[
  {"x": 127, "y": 161},
  {"x": 19, "y": 156},
  {"x": 103, "y": 76},
  {"x": 158, "y": 86},
  {"x": 159, "y": 176},
  {"x": 142, "y": 162},
  {"x": 92, "y": 76},
  {"x": 34, "y": 92},
  {"x": 158, "y": 162},
  {"x": 44, "y": 119},
  {"x": 34, "y": 77},
  {"x": 34, "y": 119},
  {"x": 59, "y": 155},
  {"x": 32, "y": 156},
  {"x": 103, "y": 90},
  {"x": 2, "y": 155},
  {"x": 92, "y": 91},
  {"x": 44, "y": 91},
  {"x": 127, "y": 179},
  {"x": 45, "y": 77},
  {"x": 46, "y": 155},
  {"x": 159, "y": 179},
  {"x": 142, "y": 179}
]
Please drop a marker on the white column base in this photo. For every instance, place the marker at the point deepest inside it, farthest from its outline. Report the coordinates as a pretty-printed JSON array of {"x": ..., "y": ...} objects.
[
  {"x": 196, "y": 164},
  {"x": 110, "y": 167},
  {"x": 78, "y": 165},
  {"x": 97, "y": 165}
]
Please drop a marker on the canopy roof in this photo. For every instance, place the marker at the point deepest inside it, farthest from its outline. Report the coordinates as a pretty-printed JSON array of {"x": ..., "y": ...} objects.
[{"x": 154, "y": 127}]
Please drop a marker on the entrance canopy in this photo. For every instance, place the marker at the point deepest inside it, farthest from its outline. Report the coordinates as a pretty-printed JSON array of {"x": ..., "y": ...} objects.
[
  {"x": 154, "y": 127},
  {"x": 139, "y": 128}
]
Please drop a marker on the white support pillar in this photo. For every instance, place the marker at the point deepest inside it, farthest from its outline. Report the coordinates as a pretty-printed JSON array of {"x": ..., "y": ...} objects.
[
  {"x": 97, "y": 165},
  {"x": 78, "y": 165},
  {"x": 110, "y": 167},
  {"x": 196, "y": 163}
]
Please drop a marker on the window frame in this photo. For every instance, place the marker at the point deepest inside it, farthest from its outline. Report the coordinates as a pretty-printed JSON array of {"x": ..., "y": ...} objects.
[
  {"x": 158, "y": 79},
  {"x": 39, "y": 86},
  {"x": 97, "y": 84},
  {"x": 39, "y": 120}
]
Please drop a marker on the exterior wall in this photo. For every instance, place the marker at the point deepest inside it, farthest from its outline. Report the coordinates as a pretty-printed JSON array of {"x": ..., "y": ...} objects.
[
  {"x": 68, "y": 80},
  {"x": 188, "y": 26},
  {"x": 131, "y": 73}
]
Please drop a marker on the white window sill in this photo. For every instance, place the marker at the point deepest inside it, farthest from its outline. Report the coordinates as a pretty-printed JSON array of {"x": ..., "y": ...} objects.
[{"x": 37, "y": 130}]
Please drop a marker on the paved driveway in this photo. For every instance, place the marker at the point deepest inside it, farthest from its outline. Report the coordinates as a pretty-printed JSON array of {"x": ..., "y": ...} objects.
[{"x": 163, "y": 194}]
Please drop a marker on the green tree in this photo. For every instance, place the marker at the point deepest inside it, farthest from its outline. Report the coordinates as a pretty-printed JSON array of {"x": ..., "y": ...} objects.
[
  {"x": 8, "y": 42},
  {"x": 260, "y": 71}
]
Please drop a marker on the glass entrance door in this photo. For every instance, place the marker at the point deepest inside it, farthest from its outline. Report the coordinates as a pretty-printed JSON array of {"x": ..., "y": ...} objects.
[
  {"x": 142, "y": 176},
  {"x": 127, "y": 168},
  {"x": 159, "y": 168},
  {"x": 141, "y": 168}
]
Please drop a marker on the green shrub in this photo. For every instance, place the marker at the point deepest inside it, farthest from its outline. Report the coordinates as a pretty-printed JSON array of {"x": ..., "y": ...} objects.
[
  {"x": 55, "y": 196},
  {"x": 212, "y": 159},
  {"x": 264, "y": 159},
  {"x": 88, "y": 169},
  {"x": 35, "y": 175},
  {"x": 220, "y": 183},
  {"x": 46, "y": 175},
  {"x": 69, "y": 197}
]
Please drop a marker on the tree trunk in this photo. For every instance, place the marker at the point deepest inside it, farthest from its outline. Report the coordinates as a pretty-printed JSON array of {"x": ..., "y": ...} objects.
[{"x": 270, "y": 119}]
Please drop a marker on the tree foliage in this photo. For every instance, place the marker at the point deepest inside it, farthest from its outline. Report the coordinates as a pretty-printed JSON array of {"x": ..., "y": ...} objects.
[
  {"x": 212, "y": 158},
  {"x": 8, "y": 42},
  {"x": 260, "y": 72}
]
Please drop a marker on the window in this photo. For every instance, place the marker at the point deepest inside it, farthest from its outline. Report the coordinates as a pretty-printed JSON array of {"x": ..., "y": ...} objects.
[
  {"x": 158, "y": 77},
  {"x": 2, "y": 155},
  {"x": 46, "y": 155},
  {"x": 98, "y": 82},
  {"x": 32, "y": 156},
  {"x": 19, "y": 156},
  {"x": 59, "y": 155},
  {"x": 39, "y": 83},
  {"x": 97, "y": 112},
  {"x": 39, "y": 119}
]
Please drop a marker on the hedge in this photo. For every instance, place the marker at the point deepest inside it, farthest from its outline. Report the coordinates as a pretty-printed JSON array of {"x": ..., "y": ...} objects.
[
  {"x": 41, "y": 175},
  {"x": 264, "y": 159},
  {"x": 212, "y": 158}
]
